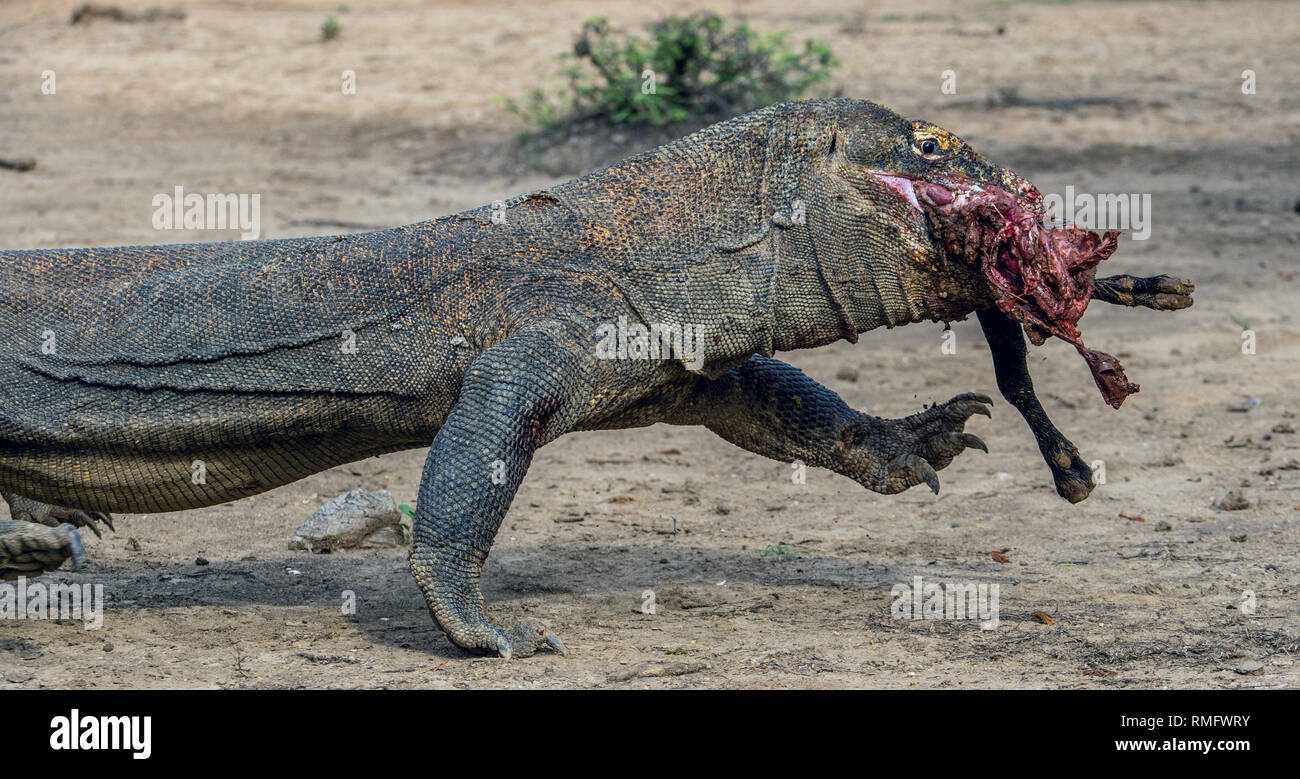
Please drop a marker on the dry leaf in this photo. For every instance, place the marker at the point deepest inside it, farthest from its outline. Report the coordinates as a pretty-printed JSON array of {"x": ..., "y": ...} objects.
[
  {"x": 1043, "y": 617},
  {"x": 1001, "y": 558}
]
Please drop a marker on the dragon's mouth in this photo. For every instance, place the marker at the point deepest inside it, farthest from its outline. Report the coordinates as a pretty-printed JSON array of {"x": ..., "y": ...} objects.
[
  {"x": 900, "y": 184},
  {"x": 1040, "y": 276}
]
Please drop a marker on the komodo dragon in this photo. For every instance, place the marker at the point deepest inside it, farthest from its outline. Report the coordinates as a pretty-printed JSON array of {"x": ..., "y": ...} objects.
[{"x": 160, "y": 378}]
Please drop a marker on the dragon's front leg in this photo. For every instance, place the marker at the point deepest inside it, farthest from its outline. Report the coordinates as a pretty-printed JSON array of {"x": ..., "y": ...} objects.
[
  {"x": 515, "y": 397},
  {"x": 771, "y": 408}
]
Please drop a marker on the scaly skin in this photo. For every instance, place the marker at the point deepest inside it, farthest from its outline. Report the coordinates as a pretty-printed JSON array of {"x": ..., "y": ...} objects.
[
  {"x": 30, "y": 549},
  {"x": 160, "y": 378}
]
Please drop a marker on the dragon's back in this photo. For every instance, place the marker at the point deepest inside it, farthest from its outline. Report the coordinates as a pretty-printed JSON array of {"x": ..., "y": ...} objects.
[{"x": 212, "y": 316}]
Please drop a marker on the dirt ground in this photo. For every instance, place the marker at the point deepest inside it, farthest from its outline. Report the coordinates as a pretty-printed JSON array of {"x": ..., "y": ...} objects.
[{"x": 767, "y": 583}]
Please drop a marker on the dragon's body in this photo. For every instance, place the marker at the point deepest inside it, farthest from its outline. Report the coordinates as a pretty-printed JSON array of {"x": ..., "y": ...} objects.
[{"x": 161, "y": 378}]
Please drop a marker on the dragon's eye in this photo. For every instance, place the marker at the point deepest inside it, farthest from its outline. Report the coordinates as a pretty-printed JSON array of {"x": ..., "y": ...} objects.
[{"x": 929, "y": 146}]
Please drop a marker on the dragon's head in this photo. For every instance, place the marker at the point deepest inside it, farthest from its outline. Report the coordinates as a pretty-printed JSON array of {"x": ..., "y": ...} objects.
[{"x": 971, "y": 233}]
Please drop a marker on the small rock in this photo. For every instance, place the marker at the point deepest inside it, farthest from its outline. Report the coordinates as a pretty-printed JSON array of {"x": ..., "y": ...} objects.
[
  {"x": 1163, "y": 527},
  {"x": 21, "y": 165},
  {"x": 1249, "y": 667},
  {"x": 1245, "y": 405},
  {"x": 1043, "y": 617},
  {"x": 1233, "y": 501},
  {"x": 348, "y": 520},
  {"x": 1241, "y": 539},
  {"x": 200, "y": 561},
  {"x": 1283, "y": 429},
  {"x": 88, "y": 11},
  {"x": 108, "y": 647}
]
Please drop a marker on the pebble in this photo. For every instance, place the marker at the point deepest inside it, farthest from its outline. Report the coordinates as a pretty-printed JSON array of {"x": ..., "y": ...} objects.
[
  {"x": 1232, "y": 501},
  {"x": 1249, "y": 667}
]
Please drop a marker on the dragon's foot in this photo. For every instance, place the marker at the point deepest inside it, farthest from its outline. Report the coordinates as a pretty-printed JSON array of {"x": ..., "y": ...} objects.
[
  {"x": 28, "y": 549},
  {"x": 526, "y": 637},
  {"x": 456, "y": 604},
  {"x": 28, "y": 510},
  {"x": 892, "y": 455}
]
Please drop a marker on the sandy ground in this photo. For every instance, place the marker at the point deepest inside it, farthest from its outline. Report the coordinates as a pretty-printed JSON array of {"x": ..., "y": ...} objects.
[{"x": 767, "y": 583}]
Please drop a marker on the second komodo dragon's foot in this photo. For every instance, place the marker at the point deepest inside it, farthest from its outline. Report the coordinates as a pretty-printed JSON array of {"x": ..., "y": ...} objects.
[
  {"x": 28, "y": 549},
  {"x": 28, "y": 510}
]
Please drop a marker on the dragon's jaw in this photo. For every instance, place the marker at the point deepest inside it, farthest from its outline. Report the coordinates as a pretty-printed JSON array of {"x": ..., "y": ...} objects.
[{"x": 1040, "y": 276}]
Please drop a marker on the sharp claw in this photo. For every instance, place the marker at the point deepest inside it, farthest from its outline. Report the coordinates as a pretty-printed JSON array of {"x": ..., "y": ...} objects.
[
  {"x": 964, "y": 406},
  {"x": 963, "y": 410},
  {"x": 973, "y": 441},
  {"x": 94, "y": 529},
  {"x": 108, "y": 520},
  {"x": 911, "y": 465},
  {"x": 555, "y": 643},
  {"x": 931, "y": 478}
]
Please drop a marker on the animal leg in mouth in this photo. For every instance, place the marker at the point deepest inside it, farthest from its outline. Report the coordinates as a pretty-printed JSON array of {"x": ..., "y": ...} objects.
[
  {"x": 1162, "y": 293},
  {"x": 1072, "y": 475}
]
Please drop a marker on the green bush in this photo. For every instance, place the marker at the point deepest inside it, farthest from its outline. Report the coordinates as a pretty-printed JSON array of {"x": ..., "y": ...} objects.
[
  {"x": 329, "y": 29},
  {"x": 687, "y": 66}
]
